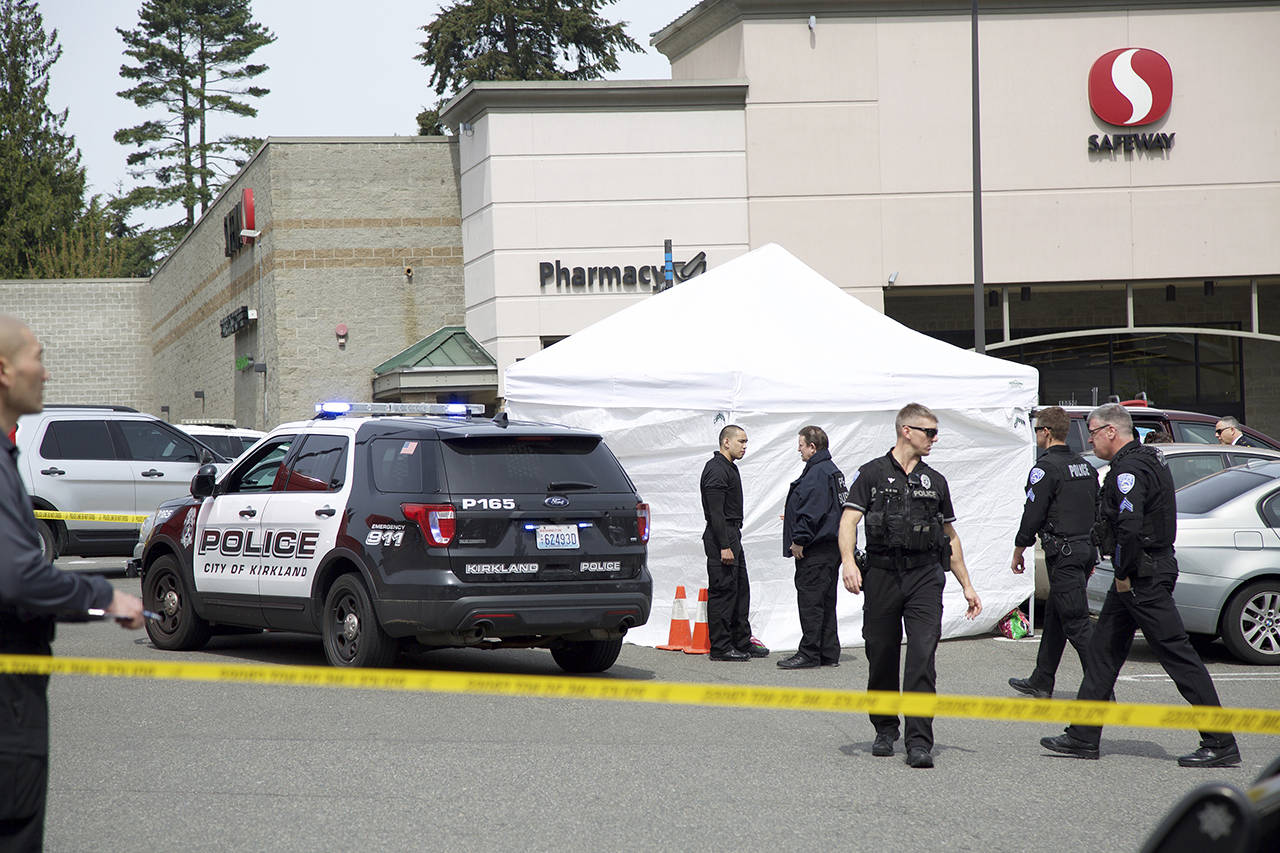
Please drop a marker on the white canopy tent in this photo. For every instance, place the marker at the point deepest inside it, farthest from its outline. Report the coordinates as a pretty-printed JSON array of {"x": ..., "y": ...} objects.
[{"x": 767, "y": 343}]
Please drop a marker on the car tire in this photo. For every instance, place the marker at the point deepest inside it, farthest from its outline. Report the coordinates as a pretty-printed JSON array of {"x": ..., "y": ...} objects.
[
  {"x": 48, "y": 540},
  {"x": 352, "y": 635},
  {"x": 179, "y": 628},
  {"x": 1251, "y": 623},
  {"x": 587, "y": 656}
]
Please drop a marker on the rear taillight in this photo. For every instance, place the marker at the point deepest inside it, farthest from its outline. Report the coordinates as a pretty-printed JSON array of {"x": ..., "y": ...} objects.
[
  {"x": 438, "y": 522},
  {"x": 642, "y": 521}
]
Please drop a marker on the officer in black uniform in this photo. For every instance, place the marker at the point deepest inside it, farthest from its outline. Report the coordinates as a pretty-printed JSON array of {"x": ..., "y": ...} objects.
[
  {"x": 31, "y": 592},
  {"x": 810, "y": 529},
  {"x": 1228, "y": 432},
  {"x": 910, "y": 539},
  {"x": 1062, "y": 492},
  {"x": 1137, "y": 524},
  {"x": 728, "y": 590}
]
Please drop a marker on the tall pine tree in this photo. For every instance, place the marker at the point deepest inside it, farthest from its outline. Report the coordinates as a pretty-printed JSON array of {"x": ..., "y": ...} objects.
[
  {"x": 193, "y": 60},
  {"x": 518, "y": 40},
  {"x": 41, "y": 179}
]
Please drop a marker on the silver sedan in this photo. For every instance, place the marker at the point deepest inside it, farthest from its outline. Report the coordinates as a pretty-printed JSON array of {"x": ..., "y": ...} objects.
[{"x": 1228, "y": 550}]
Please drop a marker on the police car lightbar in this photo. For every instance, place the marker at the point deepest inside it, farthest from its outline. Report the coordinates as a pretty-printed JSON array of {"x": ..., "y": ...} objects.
[{"x": 336, "y": 408}]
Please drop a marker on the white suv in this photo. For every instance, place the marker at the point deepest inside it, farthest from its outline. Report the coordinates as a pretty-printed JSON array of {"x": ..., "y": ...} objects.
[
  {"x": 107, "y": 459},
  {"x": 228, "y": 440}
]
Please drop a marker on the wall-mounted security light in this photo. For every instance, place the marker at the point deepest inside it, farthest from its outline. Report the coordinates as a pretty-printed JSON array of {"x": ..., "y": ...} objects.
[
  {"x": 259, "y": 367},
  {"x": 340, "y": 331},
  {"x": 893, "y": 277},
  {"x": 199, "y": 395},
  {"x": 813, "y": 22}
]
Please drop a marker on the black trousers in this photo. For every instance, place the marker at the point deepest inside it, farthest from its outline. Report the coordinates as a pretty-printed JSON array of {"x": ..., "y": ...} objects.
[
  {"x": 22, "y": 803},
  {"x": 894, "y": 599},
  {"x": 1148, "y": 606},
  {"x": 816, "y": 574},
  {"x": 1066, "y": 616},
  {"x": 728, "y": 601}
]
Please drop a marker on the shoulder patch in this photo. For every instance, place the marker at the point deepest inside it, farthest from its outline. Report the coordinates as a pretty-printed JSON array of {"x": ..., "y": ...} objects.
[
  {"x": 1037, "y": 474},
  {"x": 1125, "y": 506},
  {"x": 924, "y": 481},
  {"x": 1124, "y": 482},
  {"x": 1031, "y": 496}
]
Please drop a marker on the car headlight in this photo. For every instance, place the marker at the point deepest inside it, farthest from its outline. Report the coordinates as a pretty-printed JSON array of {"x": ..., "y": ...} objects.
[{"x": 144, "y": 532}]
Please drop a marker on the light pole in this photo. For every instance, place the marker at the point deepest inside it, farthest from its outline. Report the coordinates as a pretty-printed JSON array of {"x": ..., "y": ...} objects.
[{"x": 979, "y": 324}]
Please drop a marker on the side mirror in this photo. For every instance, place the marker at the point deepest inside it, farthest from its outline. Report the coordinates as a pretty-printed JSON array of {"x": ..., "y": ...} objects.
[{"x": 203, "y": 482}]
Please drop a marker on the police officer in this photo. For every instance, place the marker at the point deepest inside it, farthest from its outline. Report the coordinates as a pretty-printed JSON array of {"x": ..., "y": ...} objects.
[
  {"x": 810, "y": 529},
  {"x": 1228, "y": 432},
  {"x": 31, "y": 592},
  {"x": 907, "y": 507},
  {"x": 1136, "y": 526},
  {"x": 728, "y": 590},
  {"x": 1062, "y": 492}
]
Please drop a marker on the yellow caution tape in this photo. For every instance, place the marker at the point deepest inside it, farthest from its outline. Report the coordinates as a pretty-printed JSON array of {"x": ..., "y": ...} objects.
[
  {"x": 129, "y": 518},
  {"x": 676, "y": 693}
]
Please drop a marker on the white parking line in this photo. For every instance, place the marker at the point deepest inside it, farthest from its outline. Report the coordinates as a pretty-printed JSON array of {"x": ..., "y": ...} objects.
[{"x": 1230, "y": 676}]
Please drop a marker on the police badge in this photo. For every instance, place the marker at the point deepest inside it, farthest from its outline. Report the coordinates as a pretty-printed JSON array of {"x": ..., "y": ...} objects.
[{"x": 1124, "y": 483}]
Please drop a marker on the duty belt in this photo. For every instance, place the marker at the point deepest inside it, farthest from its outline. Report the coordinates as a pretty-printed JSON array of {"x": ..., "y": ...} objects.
[{"x": 901, "y": 560}]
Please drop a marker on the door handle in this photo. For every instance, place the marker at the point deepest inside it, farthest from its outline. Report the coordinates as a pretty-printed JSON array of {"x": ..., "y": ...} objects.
[
  {"x": 326, "y": 511},
  {"x": 153, "y": 473},
  {"x": 248, "y": 512},
  {"x": 53, "y": 472}
]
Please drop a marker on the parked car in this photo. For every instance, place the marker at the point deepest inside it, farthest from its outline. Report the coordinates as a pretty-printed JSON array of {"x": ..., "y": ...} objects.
[
  {"x": 439, "y": 531},
  {"x": 103, "y": 459},
  {"x": 228, "y": 440},
  {"x": 1185, "y": 427},
  {"x": 1228, "y": 550}
]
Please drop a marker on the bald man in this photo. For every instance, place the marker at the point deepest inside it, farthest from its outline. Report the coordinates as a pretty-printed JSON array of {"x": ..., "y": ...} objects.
[{"x": 32, "y": 593}]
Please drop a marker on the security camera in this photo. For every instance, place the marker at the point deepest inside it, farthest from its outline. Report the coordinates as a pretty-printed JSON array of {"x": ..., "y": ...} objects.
[{"x": 408, "y": 272}]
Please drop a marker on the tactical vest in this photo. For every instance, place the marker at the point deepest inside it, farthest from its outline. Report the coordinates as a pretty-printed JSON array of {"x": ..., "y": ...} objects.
[{"x": 904, "y": 525}]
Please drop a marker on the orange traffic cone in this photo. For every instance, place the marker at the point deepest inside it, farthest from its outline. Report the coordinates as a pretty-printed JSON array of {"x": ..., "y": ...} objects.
[
  {"x": 678, "y": 639},
  {"x": 701, "y": 642}
]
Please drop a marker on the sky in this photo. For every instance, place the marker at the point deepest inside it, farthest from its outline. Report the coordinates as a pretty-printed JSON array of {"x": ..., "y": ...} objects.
[{"x": 332, "y": 72}]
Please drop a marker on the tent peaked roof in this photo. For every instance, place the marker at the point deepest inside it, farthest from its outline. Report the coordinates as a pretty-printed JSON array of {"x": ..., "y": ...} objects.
[{"x": 763, "y": 332}]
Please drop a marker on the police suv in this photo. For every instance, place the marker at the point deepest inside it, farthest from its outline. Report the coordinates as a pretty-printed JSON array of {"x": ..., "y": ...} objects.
[{"x": 375, "y": 532}]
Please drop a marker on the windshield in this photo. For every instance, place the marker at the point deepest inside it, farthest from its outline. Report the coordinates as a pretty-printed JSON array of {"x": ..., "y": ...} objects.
[{"x": 1213, "y": 491}]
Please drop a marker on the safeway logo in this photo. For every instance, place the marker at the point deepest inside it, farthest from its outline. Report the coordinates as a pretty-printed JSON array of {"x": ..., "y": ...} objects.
[{"x": 1130, "y": 86}]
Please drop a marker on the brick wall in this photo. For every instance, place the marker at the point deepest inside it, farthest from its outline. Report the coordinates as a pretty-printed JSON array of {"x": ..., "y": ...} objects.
[
  {"x": 340, "y": 222},
  {"x": 94, "y": 335}
]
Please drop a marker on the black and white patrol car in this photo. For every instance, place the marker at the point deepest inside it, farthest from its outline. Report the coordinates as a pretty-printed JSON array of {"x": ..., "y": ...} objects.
[{"x": 444, "y": 531}]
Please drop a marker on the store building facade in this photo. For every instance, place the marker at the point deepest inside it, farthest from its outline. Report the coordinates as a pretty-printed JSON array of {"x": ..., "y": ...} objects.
[{"x": 1130, "y": 202}]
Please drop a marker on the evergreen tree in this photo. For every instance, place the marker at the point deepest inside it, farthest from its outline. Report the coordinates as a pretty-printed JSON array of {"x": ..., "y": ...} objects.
[
  {"x": 41, "y": 179},
  {"x": 193, "y": 60},
  {"x": 518, "y": 40},
  {"x": 99, "y": 245}
]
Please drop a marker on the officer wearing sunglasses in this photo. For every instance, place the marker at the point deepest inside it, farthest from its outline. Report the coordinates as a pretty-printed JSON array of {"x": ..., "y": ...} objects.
[{"x": 910, "y": 544}]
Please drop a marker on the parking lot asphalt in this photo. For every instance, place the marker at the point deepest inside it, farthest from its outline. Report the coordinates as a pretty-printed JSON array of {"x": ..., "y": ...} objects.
[{"x": 191, "y": 766}]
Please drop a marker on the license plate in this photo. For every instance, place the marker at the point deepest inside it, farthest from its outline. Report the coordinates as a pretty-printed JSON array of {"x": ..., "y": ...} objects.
[{"x": 556, "y": 536}]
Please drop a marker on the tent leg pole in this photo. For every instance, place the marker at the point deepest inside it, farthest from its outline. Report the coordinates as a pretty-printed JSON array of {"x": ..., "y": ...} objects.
[{"x": 1031, "y": 613}]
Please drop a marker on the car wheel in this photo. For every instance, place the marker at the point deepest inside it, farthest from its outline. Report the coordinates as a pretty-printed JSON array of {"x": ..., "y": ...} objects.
[
  {"x": 588, "y": 656},
  {"x": 178, "y": 628},
  {"x": 1251, "y": 623},
  {"x": 352, "y": 635},
  {"x": 48, "y": 540}
]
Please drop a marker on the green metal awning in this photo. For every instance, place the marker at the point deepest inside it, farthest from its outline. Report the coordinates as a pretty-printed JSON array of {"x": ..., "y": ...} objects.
[{"x": 448, "y": 359}]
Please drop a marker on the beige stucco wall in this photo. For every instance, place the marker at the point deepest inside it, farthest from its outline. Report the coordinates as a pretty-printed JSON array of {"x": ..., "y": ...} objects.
[
  {"x": 859, "y": 151},
  {"x": 588, "y": 187}
]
